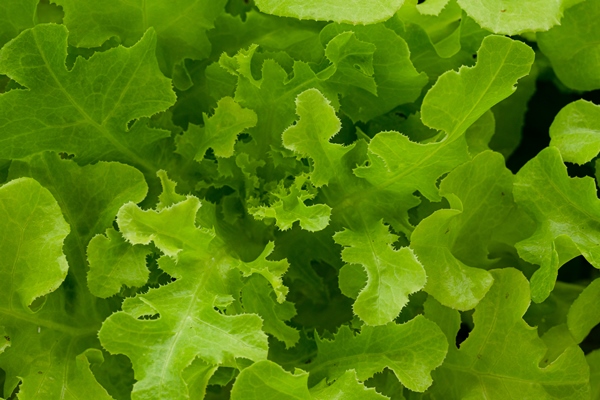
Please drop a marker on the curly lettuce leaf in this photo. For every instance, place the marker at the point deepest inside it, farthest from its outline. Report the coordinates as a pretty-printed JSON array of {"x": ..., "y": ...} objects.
[
  {"x": 183, "y": 315},
  {"x": 392, "y": 275},
  {"x": 411, "y": 350},
  {"x": 32, "y": 267},
  {"x": 84, "y": 111}
]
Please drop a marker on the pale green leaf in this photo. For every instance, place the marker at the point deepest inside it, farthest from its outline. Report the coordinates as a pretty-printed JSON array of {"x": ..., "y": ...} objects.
[
  {"x": 576, "y": 132},
  {"x": 511, "y": 17},
  {"x": 114, "y": 263},
  {"x": 31, "y": 240},
  {"x": 311, "y": 135},
  {"x": 501, "y": 357},
  {"x": 391, "y": 274},
  {"x": 584, "y": 314},
  {"x": 350, "y": 11},
  {"x": 432, "y": 7},
  {"x": 567, "y": 214},
  {"x": 458, "y": 99},
  {"x": 411, "y": 350},
  {"x": 86, "y": 110}
]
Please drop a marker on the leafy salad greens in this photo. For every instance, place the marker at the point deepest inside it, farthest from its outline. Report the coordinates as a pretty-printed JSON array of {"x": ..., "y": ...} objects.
[{"x": 316, "y": 199}]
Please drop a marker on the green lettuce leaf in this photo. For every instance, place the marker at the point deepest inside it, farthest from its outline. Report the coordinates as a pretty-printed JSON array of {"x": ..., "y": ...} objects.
[
  {"x": 489, "y": 364},
  {"x": 352, "y": 12},
  {"x": 411, "y": 350},
  {"x": 86, "y": 110},
  {"x": 572, "y": 47},
  {"x": 567, "y": 215},
  {"x": 575, "y": 132}
]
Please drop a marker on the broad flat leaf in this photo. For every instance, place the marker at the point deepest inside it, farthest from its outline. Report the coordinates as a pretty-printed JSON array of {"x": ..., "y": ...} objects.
[
  {"x": 310, "y": 136},
  {"x": 89, "y": 197},
  {"x": 220, "y": 130},
  {"x": 411, "y": 350},
  {"x": 114, "y": 263},
  {"x": 350, "y": 11},
  {"x": 180, "y": 25},
  {"x": 576, "y": 132},
  {"x": 267, "y": 380},
  {"x": 572, "y": 47},
  {"x": 511, "y": 17},
  {"x": 396, "y": 79},
  {"x": 346, "y": 387},
  {"x": 567, "y": 214},
  {"x": 290, "y": 207},
  {"x": 391, "y": 274},
  {"x": 33, "y": 265},
  {"x": 352, "y": 61},
  {"x": 583, "y": 314},
  {"x": 458, "y": 99},
  {"x": 84, "y": 111},
  {"x": 187, "y": 326},
  {"x": 501, "y": 357},
  {"x": 33, "y": 233},
  {"x": 15, "y": 16}
]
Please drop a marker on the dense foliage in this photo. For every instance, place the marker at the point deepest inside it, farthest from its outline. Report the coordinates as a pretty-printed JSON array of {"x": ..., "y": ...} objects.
[{"x": 284, "y": 199}]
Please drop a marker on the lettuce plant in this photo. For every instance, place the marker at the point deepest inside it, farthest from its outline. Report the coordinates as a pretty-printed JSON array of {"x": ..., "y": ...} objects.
[{"x": 299, "y": 199}]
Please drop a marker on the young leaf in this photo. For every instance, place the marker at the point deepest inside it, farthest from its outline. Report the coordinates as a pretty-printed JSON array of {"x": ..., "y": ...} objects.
[
  {"x": 511, "y": 18},
  {"x": 310, "y": 136},
  {"x": 583, "y": 314}
]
